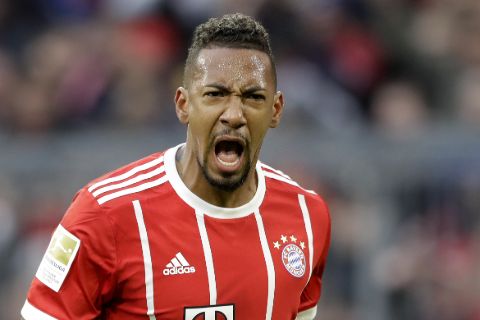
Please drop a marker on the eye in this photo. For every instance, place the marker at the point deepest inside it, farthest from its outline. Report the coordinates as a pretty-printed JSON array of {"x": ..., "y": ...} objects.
[
  {"x": 214, "y": 94},
  {"x": 256, "y": 96}
]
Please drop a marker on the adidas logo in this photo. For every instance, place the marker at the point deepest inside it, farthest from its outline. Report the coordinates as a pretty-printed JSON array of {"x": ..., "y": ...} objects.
[{"x": 178, "y": 265}]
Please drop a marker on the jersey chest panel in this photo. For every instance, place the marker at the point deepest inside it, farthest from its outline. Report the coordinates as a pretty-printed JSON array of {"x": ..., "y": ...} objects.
[
  {"x": 176, "y": 255},
  {"x": 151, "y": 249},
  {"x": 288, "y": 243},
  {"x": 239, "y": 263}
]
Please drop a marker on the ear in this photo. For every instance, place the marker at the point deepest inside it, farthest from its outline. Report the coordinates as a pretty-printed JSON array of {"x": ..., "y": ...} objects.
[
  {"x": 278, "y": 104},
  {"x": 181, "y": 104}
]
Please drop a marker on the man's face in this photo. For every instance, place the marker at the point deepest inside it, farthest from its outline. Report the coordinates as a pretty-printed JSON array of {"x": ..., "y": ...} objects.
[{"x": 229, "y": 105}]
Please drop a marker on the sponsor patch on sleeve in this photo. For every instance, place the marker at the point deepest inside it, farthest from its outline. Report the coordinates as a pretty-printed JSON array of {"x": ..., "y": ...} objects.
[{"x": 58, "y": 258}]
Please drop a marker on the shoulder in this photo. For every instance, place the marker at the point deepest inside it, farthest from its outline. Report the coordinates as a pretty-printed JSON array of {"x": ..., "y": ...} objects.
[
  {"x": 277, "y": 179},
  {"x": 105, "y": 200},
  {"x": 110, "y": 192},
  {"x": 279, "y": 182},
  {"x": 313, "y": 208},
  {"x": 134, "y": 179}
]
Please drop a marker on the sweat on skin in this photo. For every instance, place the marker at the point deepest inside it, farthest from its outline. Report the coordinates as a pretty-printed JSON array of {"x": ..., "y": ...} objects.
[{"x": 229, "y": 104}]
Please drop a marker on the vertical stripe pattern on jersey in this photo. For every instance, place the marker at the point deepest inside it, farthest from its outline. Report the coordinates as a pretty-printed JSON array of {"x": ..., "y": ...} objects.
[
  {"x": 269, "y": 263},
  {"x": 207, "y": 252},
  {"x": 308, "y": 229},
  {"x": 147, "y": 259}
]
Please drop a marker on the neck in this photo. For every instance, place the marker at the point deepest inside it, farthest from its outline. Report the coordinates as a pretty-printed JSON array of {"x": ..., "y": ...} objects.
[{"x": 193, "y": 177}]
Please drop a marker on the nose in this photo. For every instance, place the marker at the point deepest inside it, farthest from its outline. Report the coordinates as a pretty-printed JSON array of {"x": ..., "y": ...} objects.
[{"x": 233, "y": 116}]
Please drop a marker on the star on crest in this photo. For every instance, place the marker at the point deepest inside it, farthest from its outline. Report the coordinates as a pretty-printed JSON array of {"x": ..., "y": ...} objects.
[
  {"x": 302, "y": 245},
  {"x": 276, "y": 245},
  {"x": 293, "y": 239},
  {"x": 284, "y": 238}
]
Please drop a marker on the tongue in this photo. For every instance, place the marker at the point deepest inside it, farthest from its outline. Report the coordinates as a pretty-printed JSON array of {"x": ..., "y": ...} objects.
[{"x": 229, "y": 156}]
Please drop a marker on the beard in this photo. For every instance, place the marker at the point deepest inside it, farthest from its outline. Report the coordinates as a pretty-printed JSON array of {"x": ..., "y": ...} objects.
[{"x": 227, "y": 182}]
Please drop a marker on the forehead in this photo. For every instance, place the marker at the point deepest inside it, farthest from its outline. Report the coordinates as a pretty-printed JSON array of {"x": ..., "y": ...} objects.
[{"x": 233, "y": 67}]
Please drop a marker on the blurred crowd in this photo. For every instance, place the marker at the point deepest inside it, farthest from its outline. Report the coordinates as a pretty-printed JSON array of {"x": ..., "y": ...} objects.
[
  {"x": 395, "y": 70},
  {"x": 396, "y": 65}
]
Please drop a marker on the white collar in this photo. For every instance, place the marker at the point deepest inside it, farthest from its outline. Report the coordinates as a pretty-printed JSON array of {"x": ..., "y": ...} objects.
[{"x": 203, "y": 206}]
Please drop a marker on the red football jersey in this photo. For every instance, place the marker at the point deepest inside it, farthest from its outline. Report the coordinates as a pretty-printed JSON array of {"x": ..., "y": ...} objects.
[{"x": 138, "y": 244}]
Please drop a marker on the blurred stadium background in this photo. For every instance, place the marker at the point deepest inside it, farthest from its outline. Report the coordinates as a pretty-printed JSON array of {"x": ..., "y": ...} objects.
[{"x": 382, "y": 119}]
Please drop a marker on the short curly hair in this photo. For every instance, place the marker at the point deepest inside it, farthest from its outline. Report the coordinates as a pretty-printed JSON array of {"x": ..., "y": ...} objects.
[{"x": 229, "y": 31}]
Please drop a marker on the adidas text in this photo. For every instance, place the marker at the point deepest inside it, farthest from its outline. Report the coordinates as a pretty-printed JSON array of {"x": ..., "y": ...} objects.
[{"x": 178, "y": 270}]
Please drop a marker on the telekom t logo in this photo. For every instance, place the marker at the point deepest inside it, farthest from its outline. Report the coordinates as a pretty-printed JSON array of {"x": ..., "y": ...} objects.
[{"x": 217, "y": 312}]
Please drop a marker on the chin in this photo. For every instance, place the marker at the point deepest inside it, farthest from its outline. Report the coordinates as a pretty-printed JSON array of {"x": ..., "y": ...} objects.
[{"x": 227, "y": 183}]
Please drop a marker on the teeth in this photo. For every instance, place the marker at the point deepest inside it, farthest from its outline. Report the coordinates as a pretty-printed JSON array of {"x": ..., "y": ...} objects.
[{"x": 228, "y": 164}]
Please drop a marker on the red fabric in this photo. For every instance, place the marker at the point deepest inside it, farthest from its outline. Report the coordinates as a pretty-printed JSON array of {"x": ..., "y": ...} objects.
[{"x": 107, "y": 276}]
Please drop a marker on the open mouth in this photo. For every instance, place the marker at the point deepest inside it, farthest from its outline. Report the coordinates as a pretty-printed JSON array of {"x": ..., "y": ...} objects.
[{"x": 229, "y": 151}]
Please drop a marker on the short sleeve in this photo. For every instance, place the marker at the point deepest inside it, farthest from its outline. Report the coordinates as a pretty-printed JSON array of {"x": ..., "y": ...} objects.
[
  {"x": 76, "y": 276},
  {"x": 321, "y": 226}
]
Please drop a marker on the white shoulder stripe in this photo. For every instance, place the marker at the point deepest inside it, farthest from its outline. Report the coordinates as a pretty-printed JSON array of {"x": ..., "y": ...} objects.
[
  {"x": 279, "y": 177},
  {"x": 275, "y": 170},
  {"x": 29, "y": 312},
  {"x": 135, "y": 189},
  {"x": 127, "y": 174},
  {"x": 138, "y": 178},
  {"x": 286, "y": 180}
]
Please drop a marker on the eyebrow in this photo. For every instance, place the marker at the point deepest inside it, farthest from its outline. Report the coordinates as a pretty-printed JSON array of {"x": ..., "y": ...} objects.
[
  {"x": 217, "y": 86},
  {"x": 253, "y": 89},
  {"x": 225, "y": 88}
]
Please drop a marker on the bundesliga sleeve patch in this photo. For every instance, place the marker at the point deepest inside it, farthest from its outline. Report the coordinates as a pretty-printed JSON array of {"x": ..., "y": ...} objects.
[{"x": 58, "y": 259}]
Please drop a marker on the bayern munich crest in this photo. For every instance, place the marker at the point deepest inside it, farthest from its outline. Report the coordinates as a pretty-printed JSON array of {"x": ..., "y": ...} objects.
[{"x": 293, "y": 257}]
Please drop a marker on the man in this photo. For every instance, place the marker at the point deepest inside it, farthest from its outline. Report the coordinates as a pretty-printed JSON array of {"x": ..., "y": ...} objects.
[{"x": 203, "y": 230}]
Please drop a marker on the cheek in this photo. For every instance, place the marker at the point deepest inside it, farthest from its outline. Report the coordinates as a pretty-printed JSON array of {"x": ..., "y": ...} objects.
[
  {"x": 258, "y": 130},
  {"x": 259, "y": 120},
  {"x": 201, "y": 125}
]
